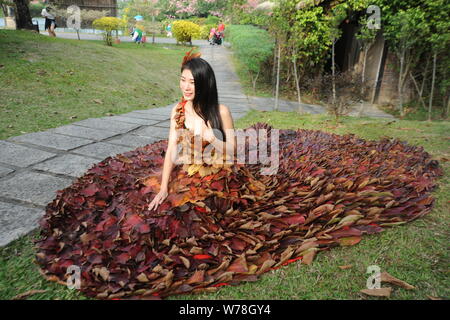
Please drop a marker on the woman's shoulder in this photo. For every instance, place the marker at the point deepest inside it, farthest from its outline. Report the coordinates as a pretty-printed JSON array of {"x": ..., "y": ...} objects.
[{"x": 223, "y": 109}]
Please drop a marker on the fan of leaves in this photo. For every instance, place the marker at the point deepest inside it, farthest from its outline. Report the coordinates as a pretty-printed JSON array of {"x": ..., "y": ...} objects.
[{"x": 231, "y": 225}]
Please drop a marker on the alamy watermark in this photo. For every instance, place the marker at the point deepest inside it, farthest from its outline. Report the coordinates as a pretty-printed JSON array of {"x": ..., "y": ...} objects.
[
  {"x": 74, "y": 277},
  {"x": 374, "y": 280}
]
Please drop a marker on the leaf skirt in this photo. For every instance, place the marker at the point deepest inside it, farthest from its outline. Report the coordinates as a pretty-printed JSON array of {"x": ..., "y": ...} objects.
[{"x": 230, "y": 225}]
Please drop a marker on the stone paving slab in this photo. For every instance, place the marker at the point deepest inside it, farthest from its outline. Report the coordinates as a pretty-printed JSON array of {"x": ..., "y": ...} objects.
[
  {"x": 33, "y": 187},
  {"x": 51, "y": 140},
  {"x": 4, "y": 171},
  {"x": 101, "y": 150},
  {"x": 83, "y": 132},
  {"x": 144, "y": 122},
  {"x": 132, "y": 140},
  {"x": 157, "y": 111},
  {"x": 67, "y": 164},
  {"x": 16, "y": 221},
  {"x": 109, "y": 125},
  {"x": 21, "y": 156},
  {"x": 164, "y": 124},
  {"x": 146, "y": 115},
  {"x": 157, "y": 132}
]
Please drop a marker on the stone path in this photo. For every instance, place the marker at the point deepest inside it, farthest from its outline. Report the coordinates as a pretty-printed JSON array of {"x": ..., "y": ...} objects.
[{"x": 34, "y": 166}]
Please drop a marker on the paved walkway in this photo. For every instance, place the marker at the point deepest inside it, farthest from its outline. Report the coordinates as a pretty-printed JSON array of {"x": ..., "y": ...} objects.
[{"x": 34, "y": 166}]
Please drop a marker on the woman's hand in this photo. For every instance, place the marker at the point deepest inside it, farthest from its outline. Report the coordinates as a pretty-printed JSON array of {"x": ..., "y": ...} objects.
[
  {"x": 158, "y": 199},
  {"x": 208, "y": 133}
]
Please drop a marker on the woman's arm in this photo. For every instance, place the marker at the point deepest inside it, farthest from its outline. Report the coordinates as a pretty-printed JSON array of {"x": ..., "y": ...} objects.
[
  {"x": 228, "y": 127},
  {"x": 168, "y": 164},
  {"x": 171, "y": 148}
]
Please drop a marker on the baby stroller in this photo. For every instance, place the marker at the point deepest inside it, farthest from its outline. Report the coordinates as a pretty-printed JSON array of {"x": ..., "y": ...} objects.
[{"x": 216, "y": 39}]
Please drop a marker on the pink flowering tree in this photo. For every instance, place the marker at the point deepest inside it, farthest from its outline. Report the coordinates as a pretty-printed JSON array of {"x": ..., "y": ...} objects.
[{"x": 188, "y": 8}]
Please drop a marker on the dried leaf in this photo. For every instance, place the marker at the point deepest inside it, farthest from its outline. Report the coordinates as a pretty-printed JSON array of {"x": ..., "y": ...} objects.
[
  {"x": 386, "y": 277},
  {"x": 382, "y": 292}
]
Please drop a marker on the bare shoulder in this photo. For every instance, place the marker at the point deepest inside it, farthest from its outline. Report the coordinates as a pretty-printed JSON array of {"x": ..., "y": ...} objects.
[
  {"x": 174, "y": 110},
  {"x": 224, "y": 110}
]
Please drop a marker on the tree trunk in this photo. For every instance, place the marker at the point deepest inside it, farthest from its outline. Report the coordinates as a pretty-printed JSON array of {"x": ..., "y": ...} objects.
[
  {"x": 278, "y": 77},
  {"x": 297, "y": 84},
  {"x": 400, "y": 83},
  {"x": 4, "y": 9},
  {"x": 418, "y": 91},
  {"x": 254, "y": 79},
  {"x": 274, "y": 69},
  {"x": 333, "y": 74},
  {"x": 448, "y": 107},
  {"x": 363, "y": 79},
  {"x": 424, "y": 76},
  {"x": 23, "y": 17},
  {"x": 432, "y": 86},
  {"x": 366, "y": 50}
]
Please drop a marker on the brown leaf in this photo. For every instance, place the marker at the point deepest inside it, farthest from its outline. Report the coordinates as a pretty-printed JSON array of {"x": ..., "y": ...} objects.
[
  {"x": 28, "y": 293},
  {"x": 197, "y": 277},
  {"x": 345, "y": 267},
  {"x": 185, "y": 261},
  {"x": 309, "y": 255},
  {"x": 266, "y": 266},
  {"x": 239, "y": 265},
  {"x": 382, "y": 292},
  {"x": 386, "y": 277}
]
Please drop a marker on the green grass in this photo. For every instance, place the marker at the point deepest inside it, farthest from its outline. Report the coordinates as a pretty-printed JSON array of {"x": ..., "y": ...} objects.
[
  {"x": 48, "y": 82},
  {"x": 416, "y": 252}
]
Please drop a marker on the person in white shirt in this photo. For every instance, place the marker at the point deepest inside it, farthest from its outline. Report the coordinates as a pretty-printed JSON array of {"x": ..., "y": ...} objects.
[{"x": 50, "y": 22}]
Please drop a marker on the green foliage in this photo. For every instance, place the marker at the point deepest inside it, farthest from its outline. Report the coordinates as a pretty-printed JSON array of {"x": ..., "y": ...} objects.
[
  {"x": 35, "y": 9},
  {"x": 252, "y": 46},
  {"x": 185, "y": 31},
  {"x": 205, "y": 29},
  {"x": 108, "y": 24}
]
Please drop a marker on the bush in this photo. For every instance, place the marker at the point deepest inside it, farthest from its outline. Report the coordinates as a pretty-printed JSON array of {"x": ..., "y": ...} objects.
[
  {"x": 109, "y": 24},
  {"x": 204, "y": 32},
  {"x": 36, "y": 9},
  {"x": 212, "y": 20},
  {"x": 185, "y": 31},
  {"x": 252, "y": 46}
]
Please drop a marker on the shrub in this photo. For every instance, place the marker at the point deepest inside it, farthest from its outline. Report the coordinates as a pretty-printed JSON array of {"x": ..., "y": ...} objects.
[
  {"x": 252, "y": 46},
  {"x": 108, "y": 24},
  {"x": 185, "y": 31},
  {"x": 204, "y": 33},
  {"x": 36, "y": 9}
]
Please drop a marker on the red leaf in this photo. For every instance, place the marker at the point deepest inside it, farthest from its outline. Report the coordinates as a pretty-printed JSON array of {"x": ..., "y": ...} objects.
[
  {"x": 293, "y": 219},
  {"x": 202, "y": 256},
  {"x": 200, "y": 209},
  {"x": 90, "y": 190}
]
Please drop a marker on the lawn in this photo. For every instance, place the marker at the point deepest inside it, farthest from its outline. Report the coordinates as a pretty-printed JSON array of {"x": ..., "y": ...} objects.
[
  {"x": 416, "y": 252},
  {"x": 45, "y": 87}
]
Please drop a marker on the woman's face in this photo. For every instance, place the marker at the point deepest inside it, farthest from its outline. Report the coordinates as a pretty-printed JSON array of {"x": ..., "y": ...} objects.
[{"x": 187, "y": 85}]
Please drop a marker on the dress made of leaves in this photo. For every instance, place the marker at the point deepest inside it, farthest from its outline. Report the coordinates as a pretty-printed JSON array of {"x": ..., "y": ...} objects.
[{"x": 223, "y": 224}]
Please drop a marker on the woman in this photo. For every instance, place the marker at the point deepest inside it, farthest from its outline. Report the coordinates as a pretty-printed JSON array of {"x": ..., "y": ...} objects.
[
  {"x": 202, "y": 119},
  {"x": 149, "y": 223},
  {"x": 50, "y": 22}
]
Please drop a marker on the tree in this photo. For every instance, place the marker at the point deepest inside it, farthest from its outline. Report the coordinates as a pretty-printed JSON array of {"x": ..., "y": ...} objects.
[
  {"x": 405, "y": 32},
  {"x": 438, "y": 20},
  {"x": 22, "y": 15},
  {"x": 108, "y": 24}
]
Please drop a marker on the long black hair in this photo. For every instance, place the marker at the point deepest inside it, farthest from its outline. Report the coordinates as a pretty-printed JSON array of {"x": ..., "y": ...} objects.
[{"x": 206, "y": 100}]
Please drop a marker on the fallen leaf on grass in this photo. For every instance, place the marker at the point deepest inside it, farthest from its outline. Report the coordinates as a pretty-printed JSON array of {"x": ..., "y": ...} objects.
[
  {"x": 347, "y": 266},
  {"x": 28, "y": 293},
  {"x": 382, "y": 292},
  {"x": 434, "y": 298},
  {"x": 386, "y": 277}
]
